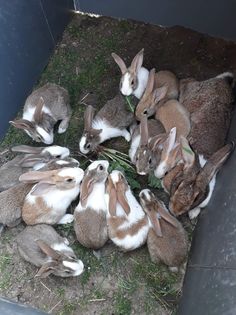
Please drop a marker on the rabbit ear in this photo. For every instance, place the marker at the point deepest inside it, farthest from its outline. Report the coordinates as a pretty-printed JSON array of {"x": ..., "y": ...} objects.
[
  {"x": 46, "y": 270},
  {"x": 187, "y": 153},
  {"x": 27, "y": 149},
  {"x": 31, "y": 161},
  {"x": 48, "y": 250},
  {"x": 169, "y": 144},
  {"x": 153, "y": 216},
  {"x": 38, "y": 110},
  {"x": 86, "y": 188},
  {"x": 165, "y": 214},
  {"x": 41, "y": 189},
  {"x": 137, "y": 62},
  {"x": 216, "y": 161},
  {"x": 144, "y": 130},
  {"x": 88, "y": 117},
  {"x": 22, "y": 124},
  {"x": 159, "y": 94},
  {"x": 120, "y": 191},
  {"x": 111, "y": 190},
  {"x": 150, "y": 83},
  {"x": 37, "y": 176},
  {"x": 120, "y": 63},
  {"x": 157, "y": 141}
]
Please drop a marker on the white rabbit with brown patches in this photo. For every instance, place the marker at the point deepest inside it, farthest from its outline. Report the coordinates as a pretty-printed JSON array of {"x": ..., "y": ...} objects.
[
  {"x": 49, "y": 199},
  {"x": 167, "y": 240},
  {"x": 43, "y": 247},
  {"x": 90, "y": 215},
  {"x": 43, "y": 108},
  {"x": 126, "y": 220}
]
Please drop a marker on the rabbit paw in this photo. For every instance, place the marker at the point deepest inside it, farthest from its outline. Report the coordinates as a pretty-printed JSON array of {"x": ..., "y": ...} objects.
[
  {"x": 61, "y": 130},
  {"x": 194, "y": 213},
  {"x": 127, "y": 136},
  {"x": 67, "y": 218}
]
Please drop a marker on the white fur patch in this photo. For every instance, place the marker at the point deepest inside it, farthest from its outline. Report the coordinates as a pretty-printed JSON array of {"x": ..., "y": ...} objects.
[
  {"x": 194, "y": 213},
  {"x": 82, "y": 144},
  {"x": 108, "y": 131},
  {"x": 225, "y": 75},
  {"x": 211, "y": 188},
  {"x": 61, "y": 247},
  {"x": 47, "y": 137},
  {"x": 29, "y": 113},
  {"x": 146, "y": 192},
  {"x": 56, "y": 150},
  {"x": 77, "y": 267},
  {"x": 126, "y": 89},
  {"x": 161, "y": 169},
  {"x": 74, "y": 172},
  {"x": 66, "y": 219},
  {"x": 38, "y": 166},
  {"x": 95, "y": 164},
  {"x": 202, "y": 160},
  {"x": 143, "y": 74},
  {"x": 134, "y": 147}
]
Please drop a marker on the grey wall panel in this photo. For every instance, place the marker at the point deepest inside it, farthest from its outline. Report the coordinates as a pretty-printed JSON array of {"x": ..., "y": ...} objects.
[
  {"x": 26, "y": 44},
  {"x": 10, "y": 308},
  {"x": 215, "y": 17}
]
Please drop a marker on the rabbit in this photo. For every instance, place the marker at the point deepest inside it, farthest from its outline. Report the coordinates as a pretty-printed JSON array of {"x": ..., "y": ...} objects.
[
  {"x": 110, "y": 122},
  {"x": 43, "y": 108},
  {"x": 191, "y": 188},
  {"x": 52, "y": 194},
  {"x": 161, "y": 87},
  {"x": 127, "y": 223},
  {"x": 146, "y": 156},
  {"x": 12, "y": 200},
  {"x": 210, "y": 105},
  {"x": 167, "y": 240},
  {"x": 43, "y": 247},
  {"x": 134, "y": 79},
  {"x": 90, "y": 215},
  {"x": 35, "y": 158}
]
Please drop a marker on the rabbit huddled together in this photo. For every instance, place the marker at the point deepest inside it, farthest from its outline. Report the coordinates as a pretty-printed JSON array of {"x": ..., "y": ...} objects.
[{"x": 177, "y": 132}]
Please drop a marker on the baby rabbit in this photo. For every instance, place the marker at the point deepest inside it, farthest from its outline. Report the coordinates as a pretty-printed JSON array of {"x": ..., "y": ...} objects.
[
  {"x": 12, "y": 199},
  {"x": 210, "y": 105},
  {"x": 49, "y": 199},
  {"x": 167, "y": 240},
  {"x": 34, "y": 157},
  {"x": 110, "y": 122},
  {"x": 127, "y": 223},
  {"x": 90, "y": 215},
  {"x": 43, "y": 108},
  {"x": 43, "y": 247},
  {"x": 161, "y": 87},
  {"x": 134, "y": 79},
  {"x": 192, "y": 186}
]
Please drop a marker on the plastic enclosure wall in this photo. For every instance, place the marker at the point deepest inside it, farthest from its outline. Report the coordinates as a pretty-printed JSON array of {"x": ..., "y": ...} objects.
[
  {"x": 29, "y": 31},
  {"x": 215, "y": 17}
]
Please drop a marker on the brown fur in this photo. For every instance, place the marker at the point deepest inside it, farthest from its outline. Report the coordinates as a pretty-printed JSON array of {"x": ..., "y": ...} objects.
[
  {"x": 91, "y": 228},
  {"x": 210, "y": 105},
  {"x": 170, "y": 176},
  {"x": 168, "y": 78}
]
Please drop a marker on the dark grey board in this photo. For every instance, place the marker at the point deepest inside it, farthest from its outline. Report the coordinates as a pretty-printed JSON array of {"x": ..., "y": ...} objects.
[
  {"x": 10, "y": 308},
  {"x": 215, "y": 17}
]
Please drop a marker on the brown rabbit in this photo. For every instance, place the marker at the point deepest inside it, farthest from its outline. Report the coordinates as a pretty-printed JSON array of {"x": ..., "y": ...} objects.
[
  {"x": 192, "y": 187},
  {"x": 161, "y": 87},
  {"x": 110, "y": 122},
  {"x": 167, "y": 240},
  {"x": 90, "y": 215},
  {"x": 210, "y": 105}
]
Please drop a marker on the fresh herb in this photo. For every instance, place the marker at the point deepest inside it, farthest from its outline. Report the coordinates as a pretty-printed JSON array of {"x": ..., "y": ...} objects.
[
  {"x": 188, "y": 150},
  {"x": 131, "y": 107},
  {"x": 153, "y": 181}
]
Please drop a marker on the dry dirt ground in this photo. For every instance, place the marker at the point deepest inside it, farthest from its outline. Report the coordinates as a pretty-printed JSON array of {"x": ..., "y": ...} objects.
[{"x": 113, "y": 282}]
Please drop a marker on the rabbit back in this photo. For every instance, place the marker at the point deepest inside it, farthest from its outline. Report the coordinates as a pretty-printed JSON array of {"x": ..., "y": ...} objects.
[{"x": 10, "y": 173}]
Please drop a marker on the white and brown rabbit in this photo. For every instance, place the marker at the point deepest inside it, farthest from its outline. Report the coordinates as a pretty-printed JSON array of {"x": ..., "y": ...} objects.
[
  {"x": 49, "y": 199},
  {"x": 146, "y": 130},
  {"x": 162, "y": 87},
  {"x": 167, "y": 240},
  {"x": 12, "y": 199},
  {"x": 192, "y": 185},
  {"x": 134, "y": 79},
  {"x": 90, "y": 215},
  {"x": 43, "y": 108},
  {"x": 127, "y": 223},
  {"x": 31, "y": 158},
  {"x": 111, "y": 121},
  {"x": 43, "y": 247}
]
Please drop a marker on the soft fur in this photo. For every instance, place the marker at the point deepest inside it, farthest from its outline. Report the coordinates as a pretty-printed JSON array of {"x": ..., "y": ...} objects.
[{"x": 43, "y": 247}]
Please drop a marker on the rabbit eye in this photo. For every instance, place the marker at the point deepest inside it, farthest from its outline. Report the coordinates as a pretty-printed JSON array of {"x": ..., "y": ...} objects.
[
  {"x": 145, "y": 112},
  {"x": 150, "y": 160},
  {"x": 58, "y": 156},
  {"x": 88, "y": 145},
  {"x": 69, "y": 180},
  {"x": 101, "y": 168}
]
